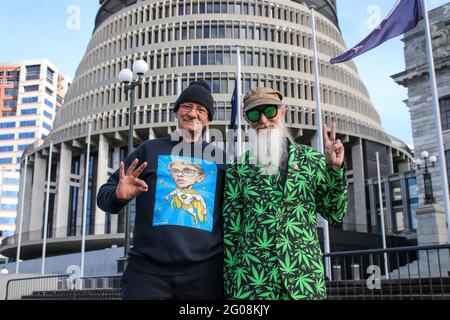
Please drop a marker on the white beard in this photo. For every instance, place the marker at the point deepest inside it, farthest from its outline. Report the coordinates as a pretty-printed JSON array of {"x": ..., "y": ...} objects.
[{"x": 268, "y": 147}]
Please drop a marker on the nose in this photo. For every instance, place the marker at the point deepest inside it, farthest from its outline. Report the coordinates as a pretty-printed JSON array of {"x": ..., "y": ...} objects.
[
  {"x": 263, "y": 120},
  {"x": 192, "y": 113}
]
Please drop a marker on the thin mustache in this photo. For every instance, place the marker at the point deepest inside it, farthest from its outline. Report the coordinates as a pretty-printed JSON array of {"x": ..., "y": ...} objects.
[{"x": 265, "y": 127}]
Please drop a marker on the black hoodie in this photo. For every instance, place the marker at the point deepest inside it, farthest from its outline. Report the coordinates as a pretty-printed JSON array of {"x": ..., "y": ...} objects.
[{"x": 178, "y": 224}]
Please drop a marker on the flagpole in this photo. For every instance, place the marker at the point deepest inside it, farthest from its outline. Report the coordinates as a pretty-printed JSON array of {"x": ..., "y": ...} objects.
[
  {"x": 326, "y": 231},
  {"x": 238, "y": 102},
  {"x": 86, "y": 186},
  {"x": 437, "y": 118},
  {"x": 22, "y": 199},
  {"x": 47, "y": 199},
  {"x": 179, "y": 89},
  {"x": 383, "y": 231}
]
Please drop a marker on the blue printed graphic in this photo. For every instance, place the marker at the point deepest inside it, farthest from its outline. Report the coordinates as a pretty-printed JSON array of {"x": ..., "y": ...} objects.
[{"x": 185, "y": 192}]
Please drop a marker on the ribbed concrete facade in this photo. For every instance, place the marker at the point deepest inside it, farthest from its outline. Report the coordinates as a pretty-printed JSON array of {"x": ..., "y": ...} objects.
[{"x": 185, "y": 41}]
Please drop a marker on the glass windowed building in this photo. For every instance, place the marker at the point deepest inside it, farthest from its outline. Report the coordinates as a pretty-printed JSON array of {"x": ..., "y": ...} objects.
[
  {"x": 184, "y": 41},
  {"x": 31, "y": 94}
]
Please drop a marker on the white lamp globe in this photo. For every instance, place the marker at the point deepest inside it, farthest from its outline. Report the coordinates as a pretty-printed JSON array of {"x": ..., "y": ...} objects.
[
  {"x": 418, "y": 162},
  {"x": 126, "y": 76},
  {"x": 140, "y": 67},
  {"x": 433, "y": 159},
  {"x": 425, "y": 154}
]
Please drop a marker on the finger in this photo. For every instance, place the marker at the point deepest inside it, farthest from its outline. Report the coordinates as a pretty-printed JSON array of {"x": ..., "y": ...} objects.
[
  {"x": 338, "y": 145},
  {"x": 333, "y": 131},
  {"x": 325, "y": 133},
  {"x": 138, "y": 171},
  {"x": 142, "y": 185},
  {"x": 132, "y": 167},
  {"x": 122, "y": 170}
]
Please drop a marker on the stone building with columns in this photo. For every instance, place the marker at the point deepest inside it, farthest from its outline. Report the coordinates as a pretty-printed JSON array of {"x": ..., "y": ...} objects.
[
  {"x": 416, "y": 79},
  {"x": 183, "y": 41}
]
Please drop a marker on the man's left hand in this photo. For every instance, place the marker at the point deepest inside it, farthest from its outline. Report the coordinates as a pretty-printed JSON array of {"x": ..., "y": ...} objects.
[{"x": 334, "y": 149}]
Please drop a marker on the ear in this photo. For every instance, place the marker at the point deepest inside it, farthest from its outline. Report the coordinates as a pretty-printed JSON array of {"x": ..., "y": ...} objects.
[
  {"x": 201, "y": 178},
  {"x": 283, "y": 110}
]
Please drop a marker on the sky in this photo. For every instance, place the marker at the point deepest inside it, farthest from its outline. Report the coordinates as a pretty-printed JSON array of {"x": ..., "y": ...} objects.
[{"x": 60, "y": 31}]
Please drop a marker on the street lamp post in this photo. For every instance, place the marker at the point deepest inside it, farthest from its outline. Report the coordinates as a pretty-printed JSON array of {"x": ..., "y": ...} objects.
[
  {"x": 140, "y": 67},
  {"x": 428, "y": 187}
]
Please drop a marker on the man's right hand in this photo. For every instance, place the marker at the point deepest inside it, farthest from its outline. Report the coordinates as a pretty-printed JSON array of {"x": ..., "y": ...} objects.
[{"x": 130, "y": 186}]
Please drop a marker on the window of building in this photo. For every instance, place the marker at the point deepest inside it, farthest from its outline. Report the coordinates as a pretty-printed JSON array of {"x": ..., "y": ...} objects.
[
  {"x": 30, "y": 100},
  {"x": 28, "y": 111},
  {"x": 6, "y": 161},
  {"x": 6, "y": 148},
  {"x": 23, "y": 147},
  {"x": 7, "y": 220},
  {"x": 49, "y": 91},
  {"x": 31, "y": 88},
  {"x": 50, "y": 75},
  {"x": 33, "y": 72},
  {"x": 445, "y": 113},
  {"x": 11, "y": 180},
  {"x": 47, "y": 126},
  {"x": 48, "y": 115},
  {"x": 27, "y": 135},
  {"x": 11, "y": 92},
  {"x": 30, "y": 123},
  {"x": 7, "y": 125},
  {"x": 11, "y": 194},
  {"x": 10, "y": 103},
  {"x": 48, "y": 103},
  {"x": 7, "y": 136}
]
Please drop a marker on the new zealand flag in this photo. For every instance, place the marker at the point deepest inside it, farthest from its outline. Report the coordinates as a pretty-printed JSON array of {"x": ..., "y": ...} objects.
[{"x": 405, "y": 15}]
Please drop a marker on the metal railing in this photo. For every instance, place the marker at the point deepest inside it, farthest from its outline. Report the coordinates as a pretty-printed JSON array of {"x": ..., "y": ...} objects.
[
  {"x": 413, "y": 273},
  {"x": 64, "y": 288},
  {"x": 66, "y": 232},
  {"x": 419, "y": 272}
]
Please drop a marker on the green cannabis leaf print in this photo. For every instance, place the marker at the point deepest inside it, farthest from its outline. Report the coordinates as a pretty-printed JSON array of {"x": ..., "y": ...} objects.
[{"x": 271, "y": 243}]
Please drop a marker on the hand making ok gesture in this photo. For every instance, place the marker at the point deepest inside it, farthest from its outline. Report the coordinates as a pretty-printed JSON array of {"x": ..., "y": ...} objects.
[
  {"x": 334, "y": 149},
  {"x": 130, "y": 186}
]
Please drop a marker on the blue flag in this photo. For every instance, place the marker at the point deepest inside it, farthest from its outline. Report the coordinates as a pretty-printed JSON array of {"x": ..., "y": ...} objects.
[
  {"x": 234, "y": 111},
  {"x": 405, "y": 15}
]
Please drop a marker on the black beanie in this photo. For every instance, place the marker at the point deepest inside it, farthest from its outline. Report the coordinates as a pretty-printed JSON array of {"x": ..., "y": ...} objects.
[{"x": 198, "y": 92}]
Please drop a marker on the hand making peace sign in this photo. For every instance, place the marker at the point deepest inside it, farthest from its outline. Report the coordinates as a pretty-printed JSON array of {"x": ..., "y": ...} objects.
[
  {"x": 130, "y": 186},
  {"x": 334, "y": 149}
]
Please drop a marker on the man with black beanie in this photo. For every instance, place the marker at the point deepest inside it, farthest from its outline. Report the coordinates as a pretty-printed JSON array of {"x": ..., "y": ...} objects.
[{"x": 177, "y": 251}]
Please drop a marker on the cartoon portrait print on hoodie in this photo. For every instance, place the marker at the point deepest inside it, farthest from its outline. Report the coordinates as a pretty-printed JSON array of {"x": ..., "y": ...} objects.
[{"x": 185, "y": 193}]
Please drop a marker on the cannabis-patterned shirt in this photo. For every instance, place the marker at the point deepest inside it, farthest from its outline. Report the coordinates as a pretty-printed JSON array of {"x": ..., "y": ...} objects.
[{"x": 270, "y": 229}]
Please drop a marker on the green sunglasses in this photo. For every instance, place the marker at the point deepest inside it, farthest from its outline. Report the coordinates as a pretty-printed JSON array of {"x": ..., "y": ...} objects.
[{"x": 270, "y": 111}]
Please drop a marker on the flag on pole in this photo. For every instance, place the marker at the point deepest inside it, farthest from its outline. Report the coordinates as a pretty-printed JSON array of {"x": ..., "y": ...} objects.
[
  {"x": 405, "y": 15},
  {"x": 234, "y": 108}
]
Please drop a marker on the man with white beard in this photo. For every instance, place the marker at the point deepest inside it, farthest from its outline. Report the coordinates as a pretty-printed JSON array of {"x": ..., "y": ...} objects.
[{"x": 273, "y": 194}]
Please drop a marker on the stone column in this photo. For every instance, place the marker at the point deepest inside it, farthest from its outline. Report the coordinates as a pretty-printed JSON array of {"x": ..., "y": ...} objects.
[
  {"x": 63, "y": 191},
  {"x": 37, "y": 197},
  {"x": 26, "y": 215},
  {"x": 80, "y": 203},
  {"x": 432, "y": 230},
  {"x": 359, "y": 186},
  {"x": 406, "y": 207},
  {"x": 102, "y": 177},
  {"x": 373, "y": 209},
  {"x": 116, "y": 166},
  {"x": 388, "y": 218},
  {"x": 390, "y": 161}
]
